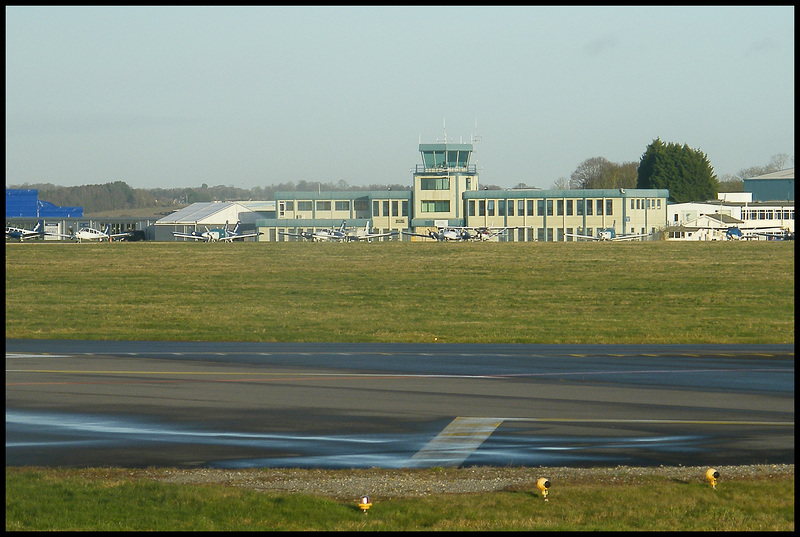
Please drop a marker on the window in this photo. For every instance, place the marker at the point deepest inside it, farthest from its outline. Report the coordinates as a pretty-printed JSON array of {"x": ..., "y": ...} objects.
[
  {"x": 549, "y": 207},
  {"x": 435, "y": 206},
  {"x": 609, "y": 207},
  {"x": 323, "y": 205},
  {"x": 490, "y": 207},
  {"x": 501, "y": 208},
  {"x": 385, "y": 204},
  {"x": 579, "y": 204},
  {"x": 540, "y": 234},
  {"x": 569, "y": 208},
  {"x": 290, "y": 206},
  {"x": 342, "y": 205},
  {"x": 599, "y": 207},
  {"x": 471, "y": 207},
  {"x": 482, "y": 208},
  {"x": 589, "y": 207},
  {"x": 521, "y": 207},
  {"x": 540, "y": 207},
  {"x": 361, "y": 205},
  {"x": 434, "y": 183},
  {"x": 405, "y": 208},
  {"x": 376, "y": 208},
  {"x": 530, "y": 208},
  {"x": 510, "y": 207},
  {"x": 395, "y": 208},
  {"x": 305, "y": 206},
  {"x": 560, "y": 208}
]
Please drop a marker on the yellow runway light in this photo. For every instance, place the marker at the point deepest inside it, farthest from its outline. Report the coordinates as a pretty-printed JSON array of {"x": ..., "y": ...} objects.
[
  {"x": 543, "y": 484},
  {"x": 364, "y": 504},
  {"x": 712, "y": 475}
]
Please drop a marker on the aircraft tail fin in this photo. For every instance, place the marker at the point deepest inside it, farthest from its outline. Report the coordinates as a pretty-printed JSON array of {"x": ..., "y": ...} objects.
[
  {"x": 236, "y": 229},
  {"x": 343, "y": 226}
]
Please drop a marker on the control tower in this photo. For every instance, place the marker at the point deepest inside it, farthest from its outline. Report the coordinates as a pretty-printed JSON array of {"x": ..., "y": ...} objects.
[{"x": 439, "y": 182}]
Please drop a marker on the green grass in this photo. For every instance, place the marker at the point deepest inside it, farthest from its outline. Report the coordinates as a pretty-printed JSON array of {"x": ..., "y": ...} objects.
[
  {"x": 643, "y": 292},
  {"x": 40, "y": 499},
  {"x": 651, "y": 292}
]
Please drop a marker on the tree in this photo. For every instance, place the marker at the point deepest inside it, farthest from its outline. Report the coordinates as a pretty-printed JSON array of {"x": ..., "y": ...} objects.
[
  {"x": 599, "y": 172},
  {"x": 685, "y": 172}
]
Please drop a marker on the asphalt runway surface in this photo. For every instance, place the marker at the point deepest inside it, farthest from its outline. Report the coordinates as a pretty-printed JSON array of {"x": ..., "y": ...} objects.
[{"x": 261, "y": 405}]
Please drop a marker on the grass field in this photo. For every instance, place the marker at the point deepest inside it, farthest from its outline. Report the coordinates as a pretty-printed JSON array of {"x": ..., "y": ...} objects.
[
  {"x": 118, "y": 500},
  {"x": 644, "y": 292},
  {"x": 641, "y": 292}
]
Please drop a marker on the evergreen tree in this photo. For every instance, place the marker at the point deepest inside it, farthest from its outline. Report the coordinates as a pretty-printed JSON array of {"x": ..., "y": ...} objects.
[{"x": 684, "y": 171}]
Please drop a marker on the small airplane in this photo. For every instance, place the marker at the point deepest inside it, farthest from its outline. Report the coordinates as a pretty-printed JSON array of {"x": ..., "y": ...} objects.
[
  {"x": 488, "y": 233},
  {"x": 217, "y": 234},
  {"x": 21, "y": 234},
  {"x": 443, "y": 234},
  {"x": 340, "y": 234},
  {"x": 783, "y": 235},
  {"x": 92, "y": 234},
  {"x": 608, "y": 235}
]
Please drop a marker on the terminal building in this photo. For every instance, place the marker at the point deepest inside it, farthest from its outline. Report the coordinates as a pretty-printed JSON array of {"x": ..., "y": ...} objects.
[{"x": 446, "y": 193}]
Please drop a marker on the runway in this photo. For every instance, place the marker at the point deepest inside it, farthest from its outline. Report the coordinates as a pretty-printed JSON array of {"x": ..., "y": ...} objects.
[{"x": 239, "y": 405}]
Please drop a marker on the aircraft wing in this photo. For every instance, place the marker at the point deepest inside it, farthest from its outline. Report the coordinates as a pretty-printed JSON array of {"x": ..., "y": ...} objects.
[
  {"x": 425, "y": 235},
  {"x": 187, "y": 236},
  {"x": 630, "y": 237},
  {"x": 59, "y": 235},
  {"x": 371, "y": 236},
  {"x": 589, "y": 237},
  {"x": 242, "y": 236},
  {"x": 117, "y": 235}
]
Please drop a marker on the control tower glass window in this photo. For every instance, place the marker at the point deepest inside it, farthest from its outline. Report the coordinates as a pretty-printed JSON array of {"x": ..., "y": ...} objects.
[{"x": 434, "y": 183}]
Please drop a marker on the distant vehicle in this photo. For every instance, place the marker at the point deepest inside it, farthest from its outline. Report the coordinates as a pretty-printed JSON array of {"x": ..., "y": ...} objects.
[
  {"x": 340, "y": 234},
  {"x": 217, "y": 234},
  {"x": 608, "y": 235},
  {"x": 21, "y": 234},
  {"x": 92, "y": 234}
]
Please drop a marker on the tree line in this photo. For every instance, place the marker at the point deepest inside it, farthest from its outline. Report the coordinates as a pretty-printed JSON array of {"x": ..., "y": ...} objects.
[{"x": 684, "y": 171}]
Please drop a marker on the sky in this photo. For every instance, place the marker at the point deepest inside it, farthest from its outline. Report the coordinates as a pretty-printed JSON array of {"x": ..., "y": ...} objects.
[{"x": 173, "y": 97}]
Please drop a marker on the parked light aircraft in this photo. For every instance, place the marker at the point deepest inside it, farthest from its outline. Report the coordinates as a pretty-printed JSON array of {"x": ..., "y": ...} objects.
[
  {"x": 782, "y": 235},
  {"x": 92, "y": 234},
  {"x": 340, "y": 234},
  {"x": 443, "y": 234},
  {"x": 21, "y": 234},
  {"x": 608, "y": 235},
  {"x": 488, "y": 233},
  {"x": 217, "y": 234}
]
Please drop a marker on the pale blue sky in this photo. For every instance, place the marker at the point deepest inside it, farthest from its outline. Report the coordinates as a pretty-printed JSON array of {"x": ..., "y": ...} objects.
[{"x": 253, "y": 96}]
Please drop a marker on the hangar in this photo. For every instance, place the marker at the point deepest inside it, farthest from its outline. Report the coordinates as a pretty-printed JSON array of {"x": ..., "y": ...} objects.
[{"x": 202, "y": 215}]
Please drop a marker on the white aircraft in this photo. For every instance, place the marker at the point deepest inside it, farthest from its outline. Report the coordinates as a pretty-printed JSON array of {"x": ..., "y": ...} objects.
[
  {"x": 340, "y": 234},
  {"x": 217, "y": 234},
  {"x": 488, "y": 233},
  {"x": 92, "y": 234},
  {"x": 608, "y": 235},
  {"x": 21, "y": 234},
  {"x": 443, "y": 234}
]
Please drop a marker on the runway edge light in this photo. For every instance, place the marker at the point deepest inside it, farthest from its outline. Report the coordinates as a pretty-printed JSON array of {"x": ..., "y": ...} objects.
[
  {"x": 712, "y": 475},
  {"x": 543, "y": 484},
  {"x": 364, "y": 503}
]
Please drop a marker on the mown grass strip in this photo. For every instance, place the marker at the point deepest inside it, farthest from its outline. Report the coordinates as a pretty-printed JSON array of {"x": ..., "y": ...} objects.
[
  {"x": 646, "y": 292},
  {"x": 39, "y": 499}
]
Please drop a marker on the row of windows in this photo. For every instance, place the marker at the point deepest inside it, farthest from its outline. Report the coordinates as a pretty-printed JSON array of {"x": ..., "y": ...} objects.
[
  {"x": 768, "y": 214},
  {"x": 381, "y": 208},
  {"x": 551, "y": 207}
]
